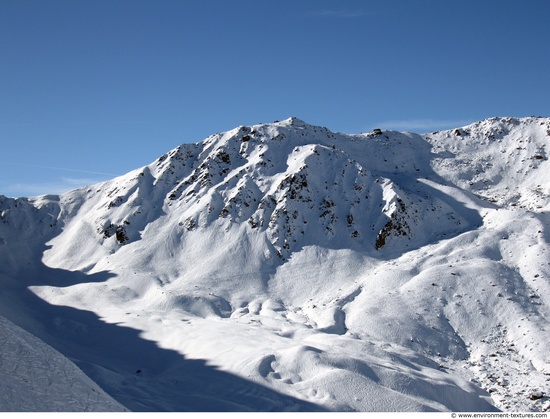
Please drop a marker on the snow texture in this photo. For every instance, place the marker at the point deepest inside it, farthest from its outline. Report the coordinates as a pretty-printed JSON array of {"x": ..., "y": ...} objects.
[
  {"x": 285, "y": 267},
  {"x": 35, "y": 377}
]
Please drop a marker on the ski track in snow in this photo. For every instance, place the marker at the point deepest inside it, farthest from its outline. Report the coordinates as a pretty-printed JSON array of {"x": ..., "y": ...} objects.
[{"x": 283, "y": 267}]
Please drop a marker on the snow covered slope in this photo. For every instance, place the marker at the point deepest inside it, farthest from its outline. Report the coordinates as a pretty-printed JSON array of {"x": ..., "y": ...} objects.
[
  {"x": 35, "y": 377},
  {"x": 287, "y": 267}
]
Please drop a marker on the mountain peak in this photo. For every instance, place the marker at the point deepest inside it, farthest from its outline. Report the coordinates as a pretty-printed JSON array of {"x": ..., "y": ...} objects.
[{"x": 293, "y": 121}]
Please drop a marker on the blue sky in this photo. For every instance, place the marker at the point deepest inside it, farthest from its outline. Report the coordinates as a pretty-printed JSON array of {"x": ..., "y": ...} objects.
[{"x": 91, "y": 89}]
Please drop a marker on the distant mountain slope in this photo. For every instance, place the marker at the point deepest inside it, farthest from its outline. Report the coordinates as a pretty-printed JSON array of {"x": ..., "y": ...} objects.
[
  {"x": 503, "y": 160},
  {"x": 301, "y": 259}
]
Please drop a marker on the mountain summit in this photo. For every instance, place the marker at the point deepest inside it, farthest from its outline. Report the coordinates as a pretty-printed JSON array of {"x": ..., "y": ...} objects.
[{"x": 316, "y": 269}]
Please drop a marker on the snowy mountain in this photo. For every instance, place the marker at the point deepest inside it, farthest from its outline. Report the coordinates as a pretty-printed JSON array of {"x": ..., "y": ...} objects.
[{"x": 287, "y": 267}]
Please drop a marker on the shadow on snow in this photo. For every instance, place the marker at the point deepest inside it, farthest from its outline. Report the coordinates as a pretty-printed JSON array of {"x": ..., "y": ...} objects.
[{"x": 134, "y": 371}]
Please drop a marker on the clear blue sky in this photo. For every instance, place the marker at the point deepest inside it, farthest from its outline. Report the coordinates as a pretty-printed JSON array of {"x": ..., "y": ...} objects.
[{"x": 90, "y": 89}]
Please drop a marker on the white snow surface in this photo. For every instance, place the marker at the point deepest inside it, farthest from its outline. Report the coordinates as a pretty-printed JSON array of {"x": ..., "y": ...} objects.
[
  {"x": 35, "y": 377},
  {"x": 285, "y": 267}
]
